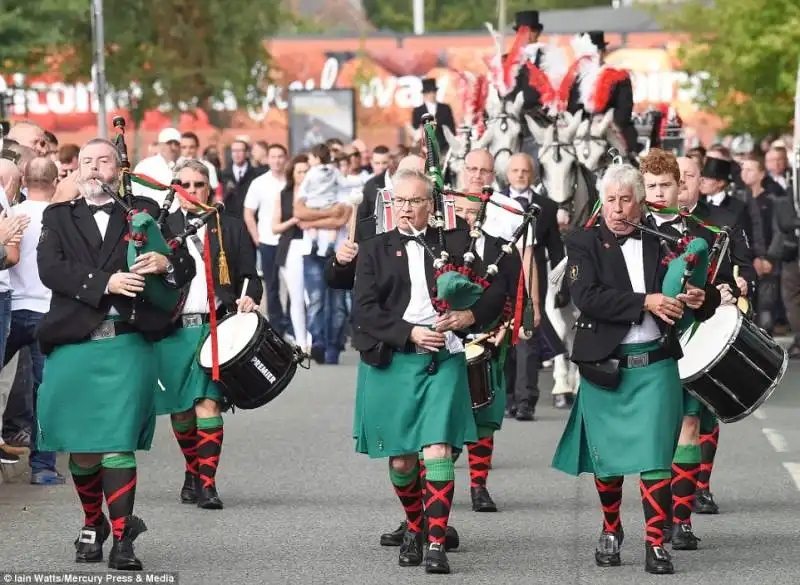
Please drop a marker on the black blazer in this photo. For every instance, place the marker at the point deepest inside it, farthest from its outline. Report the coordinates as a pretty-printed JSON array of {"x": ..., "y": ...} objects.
[
  {"x": 239, "y": 253},
  {"x": 365, "y": 214},
  {"x": 76, "y": 263},
  {"x": 444, "y": 117},
  {"x": 234, "y": 192},
  {"x": 383, "y": 287},
  {"x": 601, "y": 290},
  {"x": 739, "y": 251}
]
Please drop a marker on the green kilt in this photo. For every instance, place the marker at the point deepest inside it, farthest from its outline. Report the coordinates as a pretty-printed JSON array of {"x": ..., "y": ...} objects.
[
  {"x": 630, "y": 430},
  {"x": 184, "y": 383},
  {"x": 492, "y": 415},
  {"x": 98, "y": 396},
  {"x": 402, "y": 409}
]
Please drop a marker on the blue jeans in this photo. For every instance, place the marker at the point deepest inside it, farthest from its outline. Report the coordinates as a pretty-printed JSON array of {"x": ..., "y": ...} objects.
[
  {"x": 21, "y": 407},
  {"x": 327, "y": 310},
  {"x": 275, "y": 313}
]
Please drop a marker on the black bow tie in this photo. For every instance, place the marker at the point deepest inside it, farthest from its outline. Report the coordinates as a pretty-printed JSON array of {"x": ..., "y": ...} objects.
[
  {"x": 634, "y": 235},
  {"x": 410, "y": 238},
  {"x": 107, "y": 207}
]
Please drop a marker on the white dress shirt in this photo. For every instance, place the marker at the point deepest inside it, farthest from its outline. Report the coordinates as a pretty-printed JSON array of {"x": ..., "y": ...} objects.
[
  {"x": 101, "y": 219},
  {"x": 634, "y": 262},
  {"x": 420, "y": 310},
  {"x": 197, "y": 298},
  {"x": 717, "y": 199},
  {"x": 239, "y": 171},
  {"x": 431, "y": 107}
]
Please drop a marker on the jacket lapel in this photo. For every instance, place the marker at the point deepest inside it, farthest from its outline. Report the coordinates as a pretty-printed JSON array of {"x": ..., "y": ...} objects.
[
  {"x": 87, "y": 226},
  {"x": 650, "y": 248},
  {"x": 612, "y": 251},
  {"x": 113, "y": 237}
]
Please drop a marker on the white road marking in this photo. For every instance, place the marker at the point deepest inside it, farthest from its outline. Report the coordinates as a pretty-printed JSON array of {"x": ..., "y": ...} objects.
[
  {"x": 776, "y": 440},
  {"x": 794, "y": 471},
  {"x": 760, "y": 414}
]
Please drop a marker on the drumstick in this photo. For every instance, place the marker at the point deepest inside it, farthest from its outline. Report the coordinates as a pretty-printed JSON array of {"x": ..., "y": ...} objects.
[
  {"x": 486, "y": 336},
  {"x": 355, "y": 199},
  {"x": 244, "y": 291}
]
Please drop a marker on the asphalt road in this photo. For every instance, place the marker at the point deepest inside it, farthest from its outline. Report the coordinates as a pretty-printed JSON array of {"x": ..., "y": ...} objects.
[{"x": 302, "y": 507}]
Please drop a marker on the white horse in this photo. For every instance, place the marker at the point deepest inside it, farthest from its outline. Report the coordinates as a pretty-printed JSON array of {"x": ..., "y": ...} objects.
[
  {"x": 459, "y": 148},
  {"x": 570, "y": 185},
  {"x": 503, "y": 135},
  {"x": 594, "y": 138}
]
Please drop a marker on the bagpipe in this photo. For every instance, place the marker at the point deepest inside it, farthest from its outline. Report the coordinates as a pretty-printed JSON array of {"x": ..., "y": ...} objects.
[{"x": 458, "y": 286}]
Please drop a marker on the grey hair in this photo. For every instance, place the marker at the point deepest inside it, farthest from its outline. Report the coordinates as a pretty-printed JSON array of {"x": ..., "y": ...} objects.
[
  {"x": 108, "y": 143},
  {"x": 404, "y": 175},
  {"x": 624, "y": 175},
  {"x": 194, "y": 165}
]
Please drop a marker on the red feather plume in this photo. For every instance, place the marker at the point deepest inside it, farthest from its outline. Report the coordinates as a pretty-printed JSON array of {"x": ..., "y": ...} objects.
[
  {"x": 540, "y": 82},
  {"x": 607, "y": 78}
]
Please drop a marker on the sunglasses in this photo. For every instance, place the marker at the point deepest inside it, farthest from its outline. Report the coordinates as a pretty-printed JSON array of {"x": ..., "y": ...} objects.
[{"x": 196, "y": 185}]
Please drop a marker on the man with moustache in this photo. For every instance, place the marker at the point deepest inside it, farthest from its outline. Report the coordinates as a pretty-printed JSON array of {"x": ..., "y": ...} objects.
[
  {"x": 662, "y": 177},
  {"x": 104, "y": 410}
]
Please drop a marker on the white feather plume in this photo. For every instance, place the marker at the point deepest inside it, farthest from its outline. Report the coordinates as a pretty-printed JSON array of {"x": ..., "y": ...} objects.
[
  {"x": 554, "y": 66},
  {"x": 589, "y": 69}
]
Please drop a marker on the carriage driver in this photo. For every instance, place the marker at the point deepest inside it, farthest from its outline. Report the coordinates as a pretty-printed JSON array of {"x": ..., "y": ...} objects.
[{"x": 186, "y": 393}]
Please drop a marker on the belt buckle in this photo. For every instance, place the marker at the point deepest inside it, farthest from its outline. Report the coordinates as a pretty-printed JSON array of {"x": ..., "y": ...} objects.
[
  {"x": 194, "y": 320},
  {"x": 638, "y": 361},
  {"x": 104, "y": 331}
]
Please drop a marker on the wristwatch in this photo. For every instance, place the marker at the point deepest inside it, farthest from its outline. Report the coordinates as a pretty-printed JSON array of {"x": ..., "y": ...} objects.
[{"x": 170, "y": 268}]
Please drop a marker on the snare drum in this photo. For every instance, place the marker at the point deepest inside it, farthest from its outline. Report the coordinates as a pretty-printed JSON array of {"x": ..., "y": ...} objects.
[
  {"x": 731, "y": 365},
  {"x": 479, "y": 375},
  {"x": 255, "y": 363}
]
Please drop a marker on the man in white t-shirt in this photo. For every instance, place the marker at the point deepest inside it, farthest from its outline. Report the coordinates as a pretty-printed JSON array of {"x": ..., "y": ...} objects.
[
  {"x": 259, "y": 207},
  {"x": 30, "y": 300},
  {"x": 160, "y": 166}
]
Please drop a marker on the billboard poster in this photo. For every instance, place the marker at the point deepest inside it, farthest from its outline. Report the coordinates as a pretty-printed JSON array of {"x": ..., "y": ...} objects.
[{"x": 314, "y": 116}]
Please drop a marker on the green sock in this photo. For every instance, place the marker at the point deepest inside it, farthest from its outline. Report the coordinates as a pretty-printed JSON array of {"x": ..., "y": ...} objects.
[
  {"x": 119, "y": 461},
  {"x": 182, "y": 425},
  {"x": 657, "y": 474},
  {"x": 440, "y": 469},
  {"x": 484, "y": 432},
  {"x": 403, "y": 479},
  {"x": 213, "y": 422},
  {"x": 687, "y": 454},
  {"x": 76, "y": 469}
]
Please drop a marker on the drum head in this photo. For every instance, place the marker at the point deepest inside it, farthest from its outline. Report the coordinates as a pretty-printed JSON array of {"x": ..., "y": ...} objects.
[
  {"x": 234, "y": 334},
  {"x": 709, "y": 342},
  {"x": 474, "y": 351}
]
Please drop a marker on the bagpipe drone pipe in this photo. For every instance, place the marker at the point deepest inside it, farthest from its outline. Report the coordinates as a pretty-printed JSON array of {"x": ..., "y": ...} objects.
[{"x": 457, "y": 286}]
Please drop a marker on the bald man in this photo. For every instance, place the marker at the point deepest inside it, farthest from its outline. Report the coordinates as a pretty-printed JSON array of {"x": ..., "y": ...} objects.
[
  {"x": 10, "y": 179},
  {"x": 30, "y": 300},
  {"x": 29, "y": 135}
]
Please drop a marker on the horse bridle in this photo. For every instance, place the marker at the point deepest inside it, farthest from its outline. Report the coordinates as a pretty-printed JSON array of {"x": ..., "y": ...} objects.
[
  {"x": 568, "y": 204},
  {"x": 502, "y": 120}
]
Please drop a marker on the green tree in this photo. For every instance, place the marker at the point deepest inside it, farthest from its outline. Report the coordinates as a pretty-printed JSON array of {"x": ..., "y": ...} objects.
[
  {"x": 745, "y": 54},
  {"x": 178, "y": 54},
  {"x": 453, "y": 15}
]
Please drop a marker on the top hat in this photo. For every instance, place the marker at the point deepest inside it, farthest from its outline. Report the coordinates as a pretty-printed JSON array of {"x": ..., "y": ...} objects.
[
  {"x": 529, "y": 18},
  {"x": 598, "y": 39},
  {"x": 428, "y": 85},
  {"x": 716, "y": 168}
]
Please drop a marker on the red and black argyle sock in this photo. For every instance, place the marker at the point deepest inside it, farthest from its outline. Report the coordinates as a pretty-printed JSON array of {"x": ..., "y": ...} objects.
[
  {"x": 685, "y": 466},
  {"x": 656, "y": 501},
  {"x": 119, "y": 485},
  {"x": 610, "y": 492},
  {"x": 708, "y": 450},
  {"x": 480, "y": 460},
  {"x": 209, "y": 448},
  {"x": 186, "y": 433},
  {"x": 408, "y": 488},
  {"x": 89, "y": 485},
  {"x": 440, "y": 486}
]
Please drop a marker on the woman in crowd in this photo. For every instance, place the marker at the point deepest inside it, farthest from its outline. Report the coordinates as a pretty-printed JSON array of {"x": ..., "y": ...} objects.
[{"x": 289, "y": 258}]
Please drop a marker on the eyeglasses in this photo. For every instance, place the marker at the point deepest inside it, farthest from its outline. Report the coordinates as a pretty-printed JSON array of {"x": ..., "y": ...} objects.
[
  {"x": 414, "y": 203},
  {"x": 479, "y": 171},
  {"x": 195, "y": 184}
]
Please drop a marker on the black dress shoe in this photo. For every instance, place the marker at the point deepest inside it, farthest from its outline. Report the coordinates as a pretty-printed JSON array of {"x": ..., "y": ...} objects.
[
  {"x": 524, "y": 412},
  {"x": 394, "y": 538},
  {"x": 89, "y": 544},
  {"x": 188, "y": 495},
  {"x": 683, "y": 538},
  {"x": 451, "y": 539},
  {"x": 208, "y": 499},
  {"x": 608, "y": 547},
  {"x": 436, "y": 560},
  {"x": 411, "y": 550},
  {"x": 704, "y": 503},
  {"x": 657, "y": 561},
  {"x": 122, "y": 556},
  {"x": 481, "y": 500}
]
